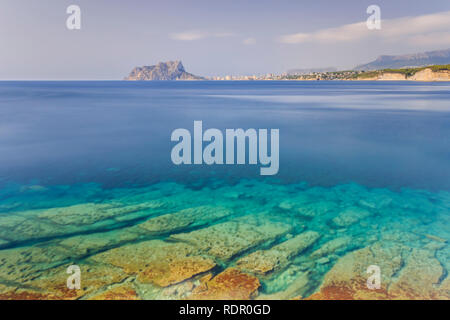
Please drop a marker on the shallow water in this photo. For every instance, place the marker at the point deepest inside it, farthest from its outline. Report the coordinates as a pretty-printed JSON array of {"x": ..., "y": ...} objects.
[{"x": 86, "y": 178}]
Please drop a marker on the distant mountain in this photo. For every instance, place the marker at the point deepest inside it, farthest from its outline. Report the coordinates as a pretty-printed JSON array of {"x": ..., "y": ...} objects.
[
  {"x": 309, "y": 71},
  {"x": 440, "y": 57},
  {"x": 171, "y": 70}
]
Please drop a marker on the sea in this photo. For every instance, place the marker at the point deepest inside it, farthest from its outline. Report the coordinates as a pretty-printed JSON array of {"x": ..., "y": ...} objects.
[{"x": 359, "y": 161}]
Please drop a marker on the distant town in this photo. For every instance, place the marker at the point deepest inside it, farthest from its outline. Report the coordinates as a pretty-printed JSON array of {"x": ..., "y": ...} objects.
[
  {"x": 427, "y": 73},
  {"x": 336, "y": 75}
]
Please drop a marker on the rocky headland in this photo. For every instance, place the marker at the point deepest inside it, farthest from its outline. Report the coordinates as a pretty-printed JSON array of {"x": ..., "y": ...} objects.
[{"x": 171, "y": 70}]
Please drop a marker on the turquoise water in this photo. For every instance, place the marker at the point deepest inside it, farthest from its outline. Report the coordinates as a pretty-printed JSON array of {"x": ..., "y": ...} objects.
[{"x": 85, "y": 172}]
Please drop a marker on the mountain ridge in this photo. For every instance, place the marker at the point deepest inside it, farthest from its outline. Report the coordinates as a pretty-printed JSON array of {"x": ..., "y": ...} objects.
[{"x": 437, "y": 57}]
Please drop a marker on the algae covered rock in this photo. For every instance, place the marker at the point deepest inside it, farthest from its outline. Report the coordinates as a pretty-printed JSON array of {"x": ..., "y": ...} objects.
[
  {"x": 332, "y": 246},
  {"x": 52, "y": 283},
  {"x": 41, "y": 224},
  {"x": 227, "y": 239},
  {"x": 295, "y": 289},
  {"x": 24, "y": 263},
  {"x": 157, "y": 261},
  {"x": 230, "y": 284},
  {"x": 179, "y": 220},
  {"x": 350, "y": 216},
  {"x": 419, "y": 278},
  {"x": 121, "y": 292},
  {"x": 91, "y": 243},
  {"x": 264, "y": 261},
  {"x": 347, "y": 279},
  {"x": 88, "y": 213},
  {"x": 405, "y": 274}
]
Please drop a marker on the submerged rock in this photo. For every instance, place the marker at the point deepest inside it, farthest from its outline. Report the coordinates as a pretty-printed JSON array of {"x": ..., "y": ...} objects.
[
  {"x": 350, "y": 216},
  {"x": 332, "y": 246},
  {"x": 121, "y": 292},
  {"x": 347, "y": 279},
  {"x": 405, "y": 274},
  {"x": 87, "y": 244},
  {"x": 294, "y": 290},
  {"x": 111, "y": 243},
  {"x": 88, "y": 213},
  {"x": 157, "y": 261},
  {"x": 174, "y": 222},
  {"x": 264, "y": 261},
  {"x": 22, "y": 264},
  {"x": 227, "y": 239},
  {"x": 42, "y": 224},
  {"x": 52, "y": 284},
  {"x": 436, "y": 238},
  {"x": 15, "y": 228},
  {"x": 419, "y": 278},
  {"x": 323, "y": 260},
  {"x": 317, "y": 208},
  {"x": 231, "y": 284}
]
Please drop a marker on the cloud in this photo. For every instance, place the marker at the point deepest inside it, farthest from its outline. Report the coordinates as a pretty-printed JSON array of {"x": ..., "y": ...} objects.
[
  {"x": 188, "y": 36},
  {"x": 412, "y": 29},
  {"x": 418, "y": 25},
  {"x": 249, "y": 41},
  {"x": 431, "y": 39},
  {"x": 347, "y": 32},
  {"x": 198, "y": 35}
]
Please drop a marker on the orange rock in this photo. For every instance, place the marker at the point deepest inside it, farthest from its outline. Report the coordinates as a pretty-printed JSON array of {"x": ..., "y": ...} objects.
[
  {"x": 158, "y": 262},
  {"x": 353, "y": 290},
  {"x": 231, "y": 284},
  {"x": 166, "y": 272},
  {"x": 11, "y": 293},
  {"x": 405, "y": 274},
  {"x": 26, "y": 295},
  {"x": 121, "y": 292},
  {"x": 347, "y": 279}
]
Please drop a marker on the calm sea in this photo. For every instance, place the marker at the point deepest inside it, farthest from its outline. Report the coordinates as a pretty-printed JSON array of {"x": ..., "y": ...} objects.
[{"x": 377, "y": 134}]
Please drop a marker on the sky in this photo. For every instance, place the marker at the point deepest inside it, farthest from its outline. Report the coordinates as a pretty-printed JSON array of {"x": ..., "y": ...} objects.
[{"x": 212, "y": 38}]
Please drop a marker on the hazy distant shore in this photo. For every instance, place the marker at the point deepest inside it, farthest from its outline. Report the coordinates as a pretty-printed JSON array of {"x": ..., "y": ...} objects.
[{"x": 174, "y": 70}]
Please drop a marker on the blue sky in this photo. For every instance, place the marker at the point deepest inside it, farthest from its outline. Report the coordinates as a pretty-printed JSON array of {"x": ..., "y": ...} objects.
[{"x": 210, "y": 37}]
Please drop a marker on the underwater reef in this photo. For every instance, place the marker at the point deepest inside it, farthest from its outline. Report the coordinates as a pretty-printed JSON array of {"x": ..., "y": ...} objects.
[{"x": 249, "y": 240}]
